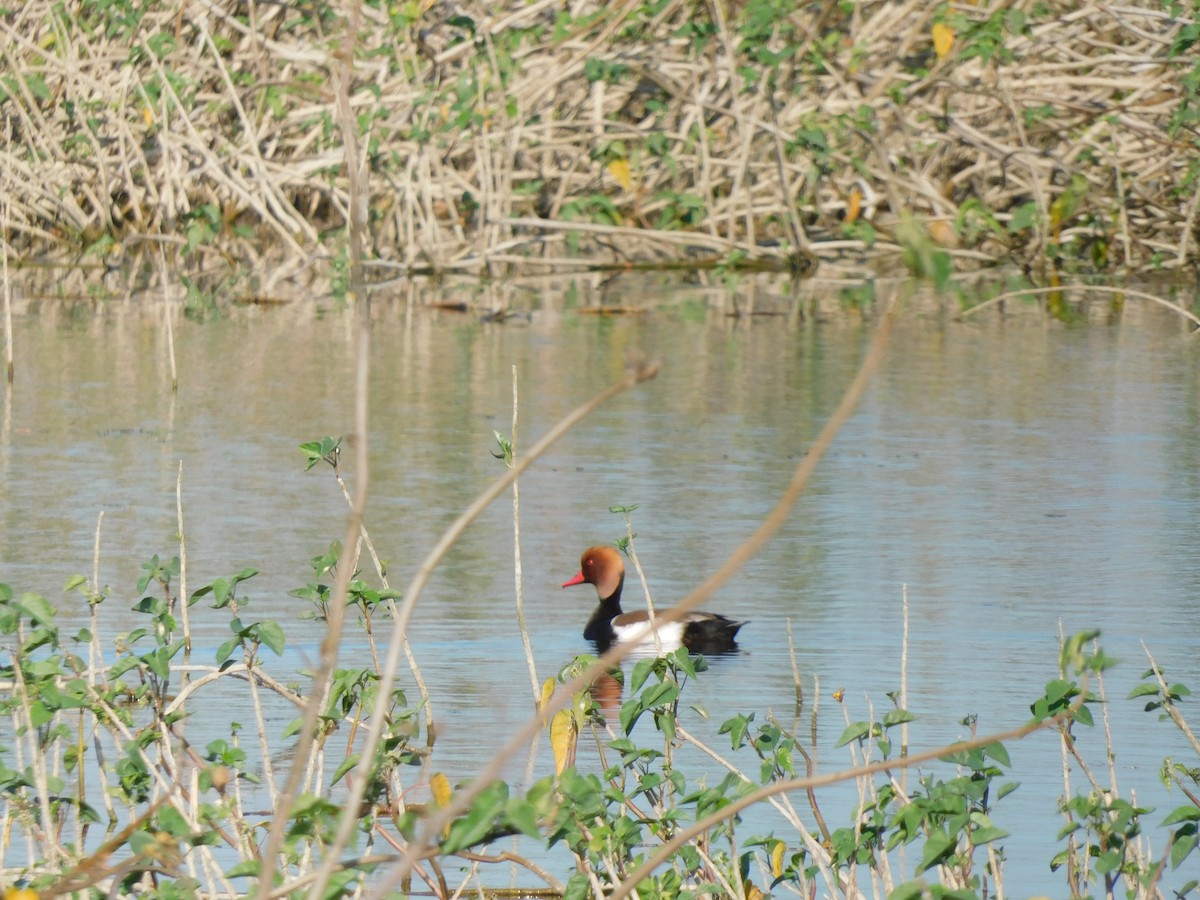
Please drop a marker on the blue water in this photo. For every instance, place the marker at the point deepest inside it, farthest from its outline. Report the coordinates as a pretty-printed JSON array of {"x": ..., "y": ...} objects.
[{"x": 1016, "y": 475}]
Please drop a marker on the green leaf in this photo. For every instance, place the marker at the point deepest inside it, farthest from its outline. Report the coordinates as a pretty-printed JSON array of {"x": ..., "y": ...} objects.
[
  {"x": 939, "y": 846},
  {"x": 998, "y": 753},
  {"x": 73, "y": 582},
  {"x": 736, "y": 728},
  {"x": 271, "y": 634},
  {"x": 897, "y": 717},
  {"x": 37, "y": 608},
  {"x": 39, "y": 715},
  {"x": 1181, "y": 848},
  {"x": 985, "y": 831},
  {"x": 910, "y": 890},
  {"x": 1024, "y": 217},
  {"x": 227, "y": 648},
  {"x": 641, "y": 671},
  {"x": 631, "y": 711},
  {"x": 325, "y": 449},
  {"x": 854, "y": 732},
  {"x": 159, "y": 662},
  {"x": 1059, "y": 689},
  {"x": 249, "y": 867},
  {"x": 170, "y": 821},
  {"x": 522, "y": 816},
  {"x": 660, "y": 694},
  {"x": 37, "y": 86},
  {"x": 1182, "y": 814},
  {"x": 479, "y": 822},
  {"x": 347, "y": 764},
  {"x": 1069, "y": 828}
]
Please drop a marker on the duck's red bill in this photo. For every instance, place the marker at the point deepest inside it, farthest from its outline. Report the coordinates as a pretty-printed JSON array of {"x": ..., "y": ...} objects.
[{"x": 578, "y": 579}]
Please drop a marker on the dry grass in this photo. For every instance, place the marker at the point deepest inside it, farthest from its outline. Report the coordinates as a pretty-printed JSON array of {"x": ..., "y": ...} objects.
[{"x": 676, "y": 130}]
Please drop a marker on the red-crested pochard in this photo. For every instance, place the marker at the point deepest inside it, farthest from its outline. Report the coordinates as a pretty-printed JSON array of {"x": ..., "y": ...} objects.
[{"x": 700, "y": 632}]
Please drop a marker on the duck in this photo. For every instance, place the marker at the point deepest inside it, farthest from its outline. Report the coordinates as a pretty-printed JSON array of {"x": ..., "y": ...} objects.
[{"x": 700, "y": 632}]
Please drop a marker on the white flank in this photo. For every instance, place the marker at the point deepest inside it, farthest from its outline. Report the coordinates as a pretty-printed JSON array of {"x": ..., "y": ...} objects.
[{"x": 669, "y": 635}]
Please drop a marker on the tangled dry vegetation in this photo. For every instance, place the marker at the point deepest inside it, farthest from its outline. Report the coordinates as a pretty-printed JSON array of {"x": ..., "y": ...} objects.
[{"x": 553, "y": 133}]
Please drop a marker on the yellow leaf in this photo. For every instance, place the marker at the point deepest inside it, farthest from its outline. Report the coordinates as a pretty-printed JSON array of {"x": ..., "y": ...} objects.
[
  {"x": 547, "y": 693},
  {"x": 943, "y": 233},
  {"x": 440, "y": 786},
  {"x": 853, "y": 205},
  {"x": 619, "y": 168},
  {"x": 148, "y": 115},
  {"x": 777, "y": 860},
  {"x": 562, "y": 739},
  {"x": 943, "y": 39}
]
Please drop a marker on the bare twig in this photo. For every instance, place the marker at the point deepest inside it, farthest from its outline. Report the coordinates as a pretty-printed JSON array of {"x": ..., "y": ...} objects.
[{"x": 518, "y": 585}]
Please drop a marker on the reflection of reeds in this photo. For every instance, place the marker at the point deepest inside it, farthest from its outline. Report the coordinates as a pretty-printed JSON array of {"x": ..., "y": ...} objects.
[
  {"x": 489, "y": 129},
  {"x": 6, "y": 288}
]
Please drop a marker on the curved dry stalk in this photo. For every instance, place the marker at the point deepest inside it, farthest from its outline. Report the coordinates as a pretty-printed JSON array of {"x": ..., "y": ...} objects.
[
  {"x": 235, "y": 670},
  {"x": 356, "y": 170},
  {"x": 1171, "y": 710},
  {"x": 518, "y": 585},
  {"x": 1099, "y": 288}
]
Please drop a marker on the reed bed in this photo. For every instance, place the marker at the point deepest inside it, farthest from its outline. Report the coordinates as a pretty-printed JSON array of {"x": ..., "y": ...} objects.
[{"x": 522, "y": 135}]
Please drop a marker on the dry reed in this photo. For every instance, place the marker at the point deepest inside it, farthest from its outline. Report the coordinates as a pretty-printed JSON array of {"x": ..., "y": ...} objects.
[{"x": 680, "y": 130}]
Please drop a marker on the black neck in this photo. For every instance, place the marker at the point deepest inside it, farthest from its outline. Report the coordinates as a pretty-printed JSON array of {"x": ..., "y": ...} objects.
[{"x": 599, "y": 626}]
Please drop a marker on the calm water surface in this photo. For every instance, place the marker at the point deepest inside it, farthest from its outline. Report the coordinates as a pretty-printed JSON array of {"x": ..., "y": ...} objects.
[{"x": 1016, "y": 475}]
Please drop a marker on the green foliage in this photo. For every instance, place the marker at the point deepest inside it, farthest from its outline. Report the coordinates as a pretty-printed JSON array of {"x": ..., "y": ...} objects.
[
  {"x": 680, "y": 210},
  {"x": 327, "y": 450},
  {"x": 612, "y": 814}
]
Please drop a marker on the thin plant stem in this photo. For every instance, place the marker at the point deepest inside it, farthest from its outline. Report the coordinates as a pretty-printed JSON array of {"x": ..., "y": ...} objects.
[
  {"x": 261, "y": 730},
  {"x": 95, "y": 653},
  {"x": 517, "y": 577},
  {"x": 168, "y": 318},
  {"x": 356, "y": 227},
  {"x": 904, "y": 683},
  {"x": 48, "y": 842},
  {"x": 810, "y": 757},
  {"x": 183, "y": 594},
  {"x": 8, "y": 327},
  {"x": 637, "y": 565}
]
